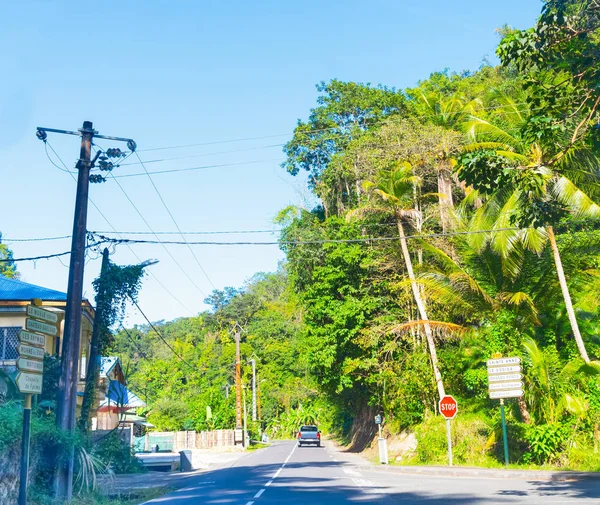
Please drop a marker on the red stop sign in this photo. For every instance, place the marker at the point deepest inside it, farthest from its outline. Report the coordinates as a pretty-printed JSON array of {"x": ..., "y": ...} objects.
[{"x": 448, "y": 407}]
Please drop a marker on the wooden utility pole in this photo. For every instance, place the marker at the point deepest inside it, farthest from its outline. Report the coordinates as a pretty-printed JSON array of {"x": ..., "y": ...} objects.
[
  {"x": 238, "y": 383},
  {"x": 66, "y": 398},
  {"x": 253, "y": 361}
]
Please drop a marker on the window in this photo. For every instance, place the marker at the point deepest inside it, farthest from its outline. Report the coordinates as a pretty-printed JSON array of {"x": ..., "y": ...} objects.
[{"x": 9, "y": 340}]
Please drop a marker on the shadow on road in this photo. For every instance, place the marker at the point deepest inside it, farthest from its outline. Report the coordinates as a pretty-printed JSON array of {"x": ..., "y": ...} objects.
[{"x": 329, "y": 485}]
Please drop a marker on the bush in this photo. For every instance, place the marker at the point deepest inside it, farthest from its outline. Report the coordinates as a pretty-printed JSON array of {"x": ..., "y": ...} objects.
[
  {"x": 546, "y": 442},
  {"x": 116, "y": 455}
]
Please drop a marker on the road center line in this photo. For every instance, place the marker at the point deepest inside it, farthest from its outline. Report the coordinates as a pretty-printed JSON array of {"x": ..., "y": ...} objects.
[
  {"x": 250, "y": 503},
  {"x": 269, "y": 483},
  {"x": 257, "y": 495}
]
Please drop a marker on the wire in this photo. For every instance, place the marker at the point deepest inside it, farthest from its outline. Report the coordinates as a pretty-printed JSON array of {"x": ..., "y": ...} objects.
[
  {"x": 174, "y": 221},
  {"x": 40, "y": 239},
  {"x": 129, "y": 247},
  {"x": 161, "y": 337},
  {"x": 46, "y": 256},
  {"x": 202, "y": 167},
  {"x": 308, "y": 242},
  {"x": 162, "y": 148},
  {"x": 142, "y": 353},
  {"x": 46, "y": 145},
  {"x": 156, "y": 236},
  {"x": 201, "y": 155},
  {"x": 225, "y": 232}
]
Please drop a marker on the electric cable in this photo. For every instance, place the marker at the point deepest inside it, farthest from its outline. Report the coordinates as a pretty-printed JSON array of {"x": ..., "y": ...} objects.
[
  {"x": 129, "y": 247},
  {"x": 174, "y": 221}
]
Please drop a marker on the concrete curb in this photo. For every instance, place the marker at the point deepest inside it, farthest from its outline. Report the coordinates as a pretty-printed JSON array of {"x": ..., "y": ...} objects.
[{"x": 491, "y": 473}]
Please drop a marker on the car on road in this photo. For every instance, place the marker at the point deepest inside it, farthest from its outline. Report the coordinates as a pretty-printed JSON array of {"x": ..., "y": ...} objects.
[{"x": 309, "y": 434}]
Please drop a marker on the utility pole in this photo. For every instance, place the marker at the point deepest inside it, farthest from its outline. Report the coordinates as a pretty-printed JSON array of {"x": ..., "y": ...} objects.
[
  {"x": 66, "y": 398},
  {"x": 93, "y": 365},
  {"x": 238, "y": 385},
  {"x": 253, "y": 361},
  {"x": 258, "y": 397}
]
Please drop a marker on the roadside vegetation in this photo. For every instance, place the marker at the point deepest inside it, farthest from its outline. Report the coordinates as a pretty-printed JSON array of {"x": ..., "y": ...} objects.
[{"x": 454, "y": 220}]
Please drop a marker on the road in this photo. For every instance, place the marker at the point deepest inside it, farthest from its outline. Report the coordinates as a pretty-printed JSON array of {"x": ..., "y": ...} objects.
[{"x": 285, "y": 474}]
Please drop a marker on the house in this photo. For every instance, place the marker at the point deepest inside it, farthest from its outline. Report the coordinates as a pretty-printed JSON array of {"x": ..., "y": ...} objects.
[
  {"x": 114, "y": 399},
  {"x": 15, "y": 295}
]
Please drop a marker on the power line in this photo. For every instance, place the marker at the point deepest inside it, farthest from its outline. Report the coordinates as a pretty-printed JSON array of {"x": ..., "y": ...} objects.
[
  {"x": 309, "y": 242},
  {"x": 201, "y": 167},
  {"x": 142, "y": 353},
  {"x": 174, "y": 220},
  {"x": 40, "y": 239},
  {"x": 161, "y": 337},
  {"x": 308, "y": 132},
  {"x": 216, "y": 232},
  {"x": 115, "y": 231},
  {"x": 202, "y": 155},
  {"x": 156, "y": 236}
]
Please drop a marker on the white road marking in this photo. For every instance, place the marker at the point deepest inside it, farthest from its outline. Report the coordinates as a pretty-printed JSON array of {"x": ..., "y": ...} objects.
[
  {"x": 352, "y": 473},
  {"x": 276, "y": 474},
  {"x": 250, "y": 503},
  {"x": 269, "y": 483},
  {"x": 257, "y": 495}
]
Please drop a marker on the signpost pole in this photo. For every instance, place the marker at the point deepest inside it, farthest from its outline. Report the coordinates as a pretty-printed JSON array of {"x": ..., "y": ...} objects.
[
  {"x": 504, "y": 434},
  {"x": 449, "y": 437},
  {"x": 25, "y": 450}
]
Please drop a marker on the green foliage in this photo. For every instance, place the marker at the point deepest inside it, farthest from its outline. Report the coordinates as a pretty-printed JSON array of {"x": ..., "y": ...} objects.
[
  {"x": 116, "y": 455},
  {"x": 545, "y": 442},
  {"x": 7, "y": 266},
  {"x": 169, "y": 414}
]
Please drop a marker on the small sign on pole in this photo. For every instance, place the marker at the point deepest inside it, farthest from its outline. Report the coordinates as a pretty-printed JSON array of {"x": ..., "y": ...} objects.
[
  {"x": 504, "y": 381},
  {"x": 448, "y": 408}
]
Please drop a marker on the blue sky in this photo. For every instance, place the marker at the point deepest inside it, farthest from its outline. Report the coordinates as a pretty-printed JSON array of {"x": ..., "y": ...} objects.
[{"x": 191, "y": 72}]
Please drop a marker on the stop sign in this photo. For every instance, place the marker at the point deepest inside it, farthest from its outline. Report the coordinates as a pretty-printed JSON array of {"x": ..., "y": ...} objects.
[{"x": 448, "y": 407}]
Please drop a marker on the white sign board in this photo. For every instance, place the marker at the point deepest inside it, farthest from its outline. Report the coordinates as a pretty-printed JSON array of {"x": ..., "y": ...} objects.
[
  {"x": 505, "y": 377},
  {"x": 32, "y": 338},
  {"x": 29, "y": 383},
  {"x": 28, "y": 351},
  {"x": 30, "y": 365},
  {"x": 511, "y": 393},
  {"x": 498, "y": 386},
  {"x": 503, "y": 361},
  {"x": 47, "y": 329},
  {"x": 503, "y": 369},
  {"x": 42, "y": 314}
]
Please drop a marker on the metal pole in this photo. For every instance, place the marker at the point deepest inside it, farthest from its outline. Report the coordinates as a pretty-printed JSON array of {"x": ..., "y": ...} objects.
[
  {"x": 245, "y": 443},
  {"x": 67, "y": 388},
  {"x": 25, "y": 450},
  {"x": 258, "y": 396},
  {"x": 238, "y": 383},
  {"x": 449, "y": 437},
  {"x": 504, "y": 433},
  {"x": 254, "y": 416}
]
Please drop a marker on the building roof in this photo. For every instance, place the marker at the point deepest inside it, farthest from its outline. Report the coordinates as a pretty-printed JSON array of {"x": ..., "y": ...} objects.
[
  {"x": 107, "y": 363},
  {"x": 14, "y": 290},
  {"x": 119, "y": 396}
]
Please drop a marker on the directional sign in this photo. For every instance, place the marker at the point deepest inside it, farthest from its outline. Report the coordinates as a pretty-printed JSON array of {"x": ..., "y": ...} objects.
[
  {"x": 503, "y": 369},
  {"x": 32, "y": 338},
  {"x": 505, "y": 377},
  {"x": 35, "y": 325},
  {"x": 512, "y": 393},
  {"x": 28, "y": 351},
  {"x": 378, "y": 419},
  {"x": 30, "y": 365},
  {"x": 42, "y": 314},
  {"x": 503, "y": 361},
  {"x": 498, "y": 386},
  {"x": 448, "y": 407},
  {"x": 29, "y": 383}
]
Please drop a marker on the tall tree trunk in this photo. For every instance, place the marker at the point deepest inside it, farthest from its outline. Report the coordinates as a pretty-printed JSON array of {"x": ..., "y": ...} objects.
[
  {"x": 446, "y": 201},
  {"x": 422, "y": 310},
  {"x": 567, "y": 297},
  {"x": 93, "y": 366}
]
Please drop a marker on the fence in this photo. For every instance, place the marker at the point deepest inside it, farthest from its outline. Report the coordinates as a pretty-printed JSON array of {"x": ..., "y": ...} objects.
[{"x": 176, "y": 441}]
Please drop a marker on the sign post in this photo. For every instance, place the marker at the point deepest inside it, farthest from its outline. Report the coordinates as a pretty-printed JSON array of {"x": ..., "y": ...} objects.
[
  {"x": 38, "y": 324},
  {"x": 381, "y": 442},
  {"x": 448, "y": 408},
  {"x": 504, "y": 381}
]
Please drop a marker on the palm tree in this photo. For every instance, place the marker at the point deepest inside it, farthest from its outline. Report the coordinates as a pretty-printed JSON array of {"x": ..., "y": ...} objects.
[
  {"x": 394, "y": 188},
  {"x": 527, "y": 191}
]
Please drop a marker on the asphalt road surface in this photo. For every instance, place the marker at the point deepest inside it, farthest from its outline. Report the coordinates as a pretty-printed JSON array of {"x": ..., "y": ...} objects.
[{"x": 286, "y": 474}]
